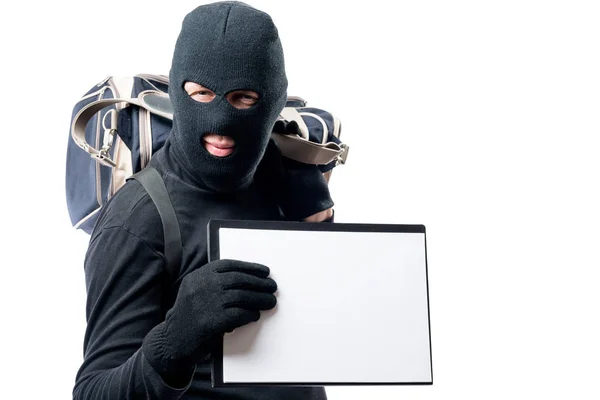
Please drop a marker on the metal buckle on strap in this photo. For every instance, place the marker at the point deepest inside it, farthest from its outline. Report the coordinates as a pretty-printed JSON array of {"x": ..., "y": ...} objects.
[
  {"x": 341, "y": 159},
  {"x": 107, "y": 141},
  {"x": 104, "y": 158}
]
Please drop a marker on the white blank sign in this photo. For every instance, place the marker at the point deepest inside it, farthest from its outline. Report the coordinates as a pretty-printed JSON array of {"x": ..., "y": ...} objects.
[{"x": 352, "y": 305}]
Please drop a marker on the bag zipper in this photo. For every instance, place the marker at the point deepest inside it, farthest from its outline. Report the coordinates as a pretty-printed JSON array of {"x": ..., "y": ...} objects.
[
  {"x": 148, "y": 136},
  {"x": 98, "y": 125},
  {"x": 111, "y": 188},
  {"x": 145, "y": 137},
  {"x": 115, "y": 93}
]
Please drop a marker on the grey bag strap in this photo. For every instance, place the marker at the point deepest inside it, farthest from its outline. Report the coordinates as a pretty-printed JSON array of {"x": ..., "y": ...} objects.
[
  {"x": 304, "y": 151},
  {"x": 151, "y": 180}
]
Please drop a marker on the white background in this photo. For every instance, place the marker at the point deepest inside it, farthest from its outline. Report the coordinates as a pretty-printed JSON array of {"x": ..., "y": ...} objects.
[{"x": 478, "y": 119}]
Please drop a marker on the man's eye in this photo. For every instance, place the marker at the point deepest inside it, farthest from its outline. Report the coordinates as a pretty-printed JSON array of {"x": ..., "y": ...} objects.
[
  {"x": 247, "y": 98},
  {"x": 242, "y": 99},
  {"x": 203, "y": 96}
]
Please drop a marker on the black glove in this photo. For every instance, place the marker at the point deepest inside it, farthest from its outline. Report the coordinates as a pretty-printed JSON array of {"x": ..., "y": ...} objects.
[
  {"x": 300, "y": 189},
  {"x": 212, "y": 300},
  {"x": 306, "y": 191}
]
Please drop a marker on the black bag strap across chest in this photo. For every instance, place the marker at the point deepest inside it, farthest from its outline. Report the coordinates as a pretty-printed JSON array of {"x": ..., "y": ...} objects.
[{"x": 153, "y": 183}]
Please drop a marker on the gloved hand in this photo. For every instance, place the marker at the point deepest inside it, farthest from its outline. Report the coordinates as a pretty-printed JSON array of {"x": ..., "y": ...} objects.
[
  {"x": 300, "y": 189},
  {"x": 305, "y": 191},
  {"x": 212, "y": 300}
]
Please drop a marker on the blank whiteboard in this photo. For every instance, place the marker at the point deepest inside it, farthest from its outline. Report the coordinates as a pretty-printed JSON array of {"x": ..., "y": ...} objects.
[{"x": 352, "y": 305}]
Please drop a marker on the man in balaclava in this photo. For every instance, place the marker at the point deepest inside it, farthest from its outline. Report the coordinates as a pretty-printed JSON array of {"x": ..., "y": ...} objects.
[
  {"x": 226, "y": 47},
  {"x": 149, "y": 334}
]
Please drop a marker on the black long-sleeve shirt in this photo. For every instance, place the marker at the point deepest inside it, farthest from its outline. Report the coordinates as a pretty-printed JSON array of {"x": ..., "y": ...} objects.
[{"x": 129, "y": 290}]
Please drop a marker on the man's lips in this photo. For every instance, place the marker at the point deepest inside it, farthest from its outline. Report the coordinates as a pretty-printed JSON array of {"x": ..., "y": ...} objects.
[{"x": 219, "y": 146}]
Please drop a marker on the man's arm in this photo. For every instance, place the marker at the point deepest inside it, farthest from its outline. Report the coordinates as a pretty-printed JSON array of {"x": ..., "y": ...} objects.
[
  {"x": 300, "y": 190},
  {"x": 134, "y": 347},
  {"x": 125, "y": 280}
]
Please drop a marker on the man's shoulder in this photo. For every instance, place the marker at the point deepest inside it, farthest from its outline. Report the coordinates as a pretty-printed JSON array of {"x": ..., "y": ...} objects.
[{"x": 132, "y": 209}]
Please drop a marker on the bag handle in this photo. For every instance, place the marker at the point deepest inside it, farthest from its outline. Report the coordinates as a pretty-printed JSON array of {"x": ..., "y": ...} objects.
[
  {"x": 307, "y": 152},
  {"x": 159, "y": 104}
]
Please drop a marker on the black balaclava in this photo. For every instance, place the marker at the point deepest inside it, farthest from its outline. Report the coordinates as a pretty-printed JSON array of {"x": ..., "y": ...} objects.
[{"x": 226, "y": 46}]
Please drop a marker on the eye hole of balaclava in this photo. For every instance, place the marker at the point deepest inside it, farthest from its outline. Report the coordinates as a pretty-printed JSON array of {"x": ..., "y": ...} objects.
[{"x": 238, "y": 98}]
